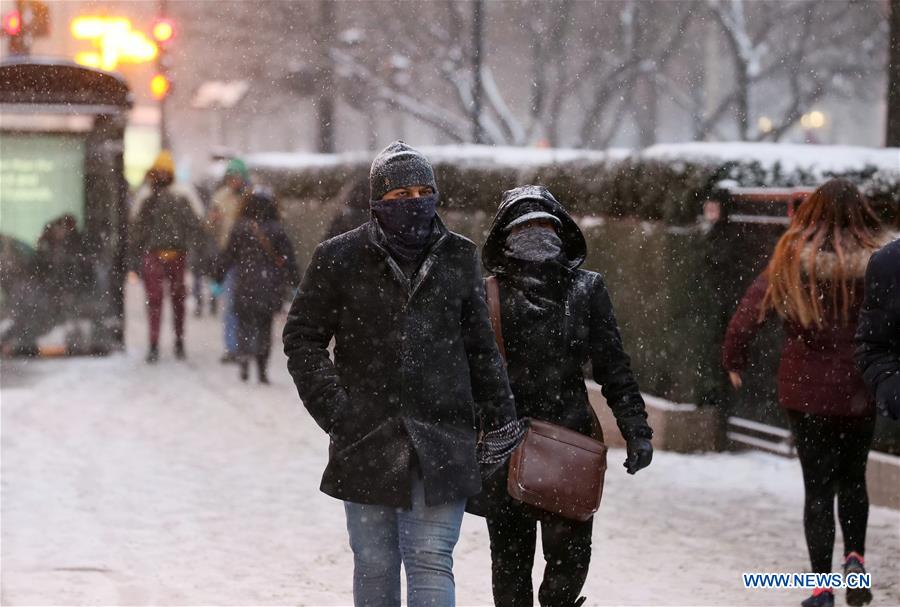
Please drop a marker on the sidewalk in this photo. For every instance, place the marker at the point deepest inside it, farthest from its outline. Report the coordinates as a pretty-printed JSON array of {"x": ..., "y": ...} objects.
[{"x": 175, "y": 484}]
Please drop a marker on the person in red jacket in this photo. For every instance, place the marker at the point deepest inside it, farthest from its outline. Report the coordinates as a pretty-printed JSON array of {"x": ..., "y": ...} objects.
[{"x": 814, "y": 283}]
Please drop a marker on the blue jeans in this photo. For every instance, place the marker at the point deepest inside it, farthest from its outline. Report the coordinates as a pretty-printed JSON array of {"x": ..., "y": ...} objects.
[
  {"x": 422, "y": 538},
  {"x": 230, "y": 318}
]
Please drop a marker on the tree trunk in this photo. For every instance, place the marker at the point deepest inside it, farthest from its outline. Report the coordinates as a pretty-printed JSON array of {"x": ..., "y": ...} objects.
[
  {"x": 477, "y": 46},
  {"x": 892, "y": 138},
  {"x": 325, "y": 100}
]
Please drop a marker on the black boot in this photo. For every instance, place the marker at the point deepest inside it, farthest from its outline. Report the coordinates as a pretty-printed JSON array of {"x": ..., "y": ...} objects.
[
  {"x": 179, "y": 348},
  {"x": 153, "y": 354},
  {"x": 244, "y": 365},
  {"x": 820, "y": 598},
  {"x": 261, "y": 365}
]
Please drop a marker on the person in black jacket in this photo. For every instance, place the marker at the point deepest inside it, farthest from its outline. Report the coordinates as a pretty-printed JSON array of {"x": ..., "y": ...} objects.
[
  {"x": 415, "y": 372},
  {"x": 878, "y": 333},
  {"x": 262, "y": 256},
  {"x": 354, "y": 201},
  {"x": 555, "y": 318}
]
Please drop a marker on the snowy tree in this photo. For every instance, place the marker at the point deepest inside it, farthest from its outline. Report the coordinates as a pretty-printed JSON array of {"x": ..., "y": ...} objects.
[{"x": 793, "y": 53}]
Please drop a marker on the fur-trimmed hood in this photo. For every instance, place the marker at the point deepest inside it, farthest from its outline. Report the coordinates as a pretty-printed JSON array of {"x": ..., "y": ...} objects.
[{"x": 825, "y": 263}]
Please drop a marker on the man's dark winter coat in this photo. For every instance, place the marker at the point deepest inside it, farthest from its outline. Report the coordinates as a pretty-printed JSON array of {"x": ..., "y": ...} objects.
[
  {"x": 414, "y": 362},
  {"x": 878, "y": 334},
  {"x": 548, "y": 348}
]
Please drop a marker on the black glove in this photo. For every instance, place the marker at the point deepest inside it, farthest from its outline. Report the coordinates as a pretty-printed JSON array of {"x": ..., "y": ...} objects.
[
  {"x": 888, "y": 397},
  {"x": 495, "y": 446},
  {"x": 640, "y": 452}
]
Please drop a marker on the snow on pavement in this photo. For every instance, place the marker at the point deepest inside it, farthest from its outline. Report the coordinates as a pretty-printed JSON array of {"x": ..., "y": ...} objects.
[{"x": 174, "y": 484}]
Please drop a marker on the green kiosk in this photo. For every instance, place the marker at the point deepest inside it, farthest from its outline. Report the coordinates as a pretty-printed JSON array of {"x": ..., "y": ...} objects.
[{"x": 63, "y": 215}]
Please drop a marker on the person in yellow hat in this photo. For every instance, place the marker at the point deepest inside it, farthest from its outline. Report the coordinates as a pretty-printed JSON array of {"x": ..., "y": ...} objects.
[{"x": 163, "y": 228}]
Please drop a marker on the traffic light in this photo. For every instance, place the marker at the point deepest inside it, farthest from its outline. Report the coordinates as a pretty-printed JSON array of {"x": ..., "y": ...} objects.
[
  {"x": 29, "y": 20},
  {"x": 160, "y": 87},
  {"x": 163, "y": 31},
  {"x": 12, "y": 23}
]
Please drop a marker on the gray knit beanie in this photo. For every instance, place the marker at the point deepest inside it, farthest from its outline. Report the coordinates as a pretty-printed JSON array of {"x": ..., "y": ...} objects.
[{"x": 399, "y": 166}]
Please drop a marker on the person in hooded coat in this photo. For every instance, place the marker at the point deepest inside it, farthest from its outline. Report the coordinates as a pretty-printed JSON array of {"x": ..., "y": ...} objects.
[
  {"x": 814, "y": 283},
  {"x": 261, "y": 256},
  {"x": 555, "y": 318},
  {"x": 878, "y": 334},
  {"x": 416, "y": 372}
]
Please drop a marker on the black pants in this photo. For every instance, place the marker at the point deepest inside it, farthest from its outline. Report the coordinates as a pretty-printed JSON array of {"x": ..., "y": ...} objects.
[
  {"x": 833, "y": 453},
  {"x": 567, "y": 553},
  {"x": 255, "y": 335}
]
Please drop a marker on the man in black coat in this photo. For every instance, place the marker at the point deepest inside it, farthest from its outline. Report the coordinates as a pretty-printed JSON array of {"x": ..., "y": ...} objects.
[
  {"x": 878, "y": 333},
  {"x": 416, "y": 372}
]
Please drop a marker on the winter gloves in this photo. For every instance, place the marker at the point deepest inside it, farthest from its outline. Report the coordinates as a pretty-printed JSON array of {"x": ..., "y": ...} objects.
[
  {"x": 640, "y": 452},
  {"x": 497, "y": 445},
  {"x": 887, "y": 396}
]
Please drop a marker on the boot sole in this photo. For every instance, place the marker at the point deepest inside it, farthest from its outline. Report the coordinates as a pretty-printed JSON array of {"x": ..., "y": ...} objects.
[{"x": 857, "y": 597}]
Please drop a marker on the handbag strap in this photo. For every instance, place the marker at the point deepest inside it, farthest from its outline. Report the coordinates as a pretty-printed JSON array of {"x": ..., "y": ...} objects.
[{"x": 492, "y": 287}]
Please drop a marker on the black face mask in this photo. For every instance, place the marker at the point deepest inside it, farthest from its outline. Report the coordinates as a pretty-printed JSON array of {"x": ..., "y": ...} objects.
[{"x": 407, "y": 224}]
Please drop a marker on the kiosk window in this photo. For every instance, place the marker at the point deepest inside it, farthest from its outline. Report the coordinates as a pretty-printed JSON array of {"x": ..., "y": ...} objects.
[{"x": 41, "y": 178}]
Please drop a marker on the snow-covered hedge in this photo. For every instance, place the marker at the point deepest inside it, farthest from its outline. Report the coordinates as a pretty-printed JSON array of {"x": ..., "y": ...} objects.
[{"x": 664, "y": 182}]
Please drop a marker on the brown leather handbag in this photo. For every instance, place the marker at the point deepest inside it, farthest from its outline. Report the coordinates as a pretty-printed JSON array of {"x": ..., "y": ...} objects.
[{"x": 554, "y": 468}]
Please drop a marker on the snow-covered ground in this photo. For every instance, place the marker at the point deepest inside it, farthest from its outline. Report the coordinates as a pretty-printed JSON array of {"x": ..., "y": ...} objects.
[{"x": 125, "y": 484}]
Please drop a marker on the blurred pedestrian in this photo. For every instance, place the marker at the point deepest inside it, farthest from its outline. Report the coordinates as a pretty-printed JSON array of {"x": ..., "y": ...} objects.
[
  {"x": 66, "y": 280},
  {"x": 51, "y": 286},
  {"x": 814, "y": 284},
  {"x": 223, "y": 214},
  {"x": 198, "y": 257},
  {"x": 555, "y": 318},
  {"x": 165, "y": 227},
  {"x": 262, "y": 258},
  {"x": 354, "y": 198},
  {"x": 878, "y": 335},
  {"x": 414, "y": 362},
  {"x": 201, "y": 261}
]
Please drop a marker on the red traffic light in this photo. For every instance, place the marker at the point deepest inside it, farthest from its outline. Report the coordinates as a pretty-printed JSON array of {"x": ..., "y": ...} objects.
[
  {"x": 163, "y": 30},
  {"x": 12, "y": 23}
]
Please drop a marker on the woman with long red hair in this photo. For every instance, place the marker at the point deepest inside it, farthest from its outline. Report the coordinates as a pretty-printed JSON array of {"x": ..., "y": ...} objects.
[{"x": 814, "y": 283}]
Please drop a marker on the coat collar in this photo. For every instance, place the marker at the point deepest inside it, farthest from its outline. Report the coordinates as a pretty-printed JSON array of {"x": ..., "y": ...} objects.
[
  {"x": 826, "y": 264},
  {"x": 377, "y": 238}
]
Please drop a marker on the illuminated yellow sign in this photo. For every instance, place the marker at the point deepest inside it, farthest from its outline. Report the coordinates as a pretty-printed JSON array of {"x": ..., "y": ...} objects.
[{"x": 114, "y": 42}]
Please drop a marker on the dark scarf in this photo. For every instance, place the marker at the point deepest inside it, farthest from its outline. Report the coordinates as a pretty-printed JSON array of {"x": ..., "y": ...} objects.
[
  {"x": 539, "y": 287},
  {"x": 407, "y": 224},
  {"x": 534, "y": 315}
]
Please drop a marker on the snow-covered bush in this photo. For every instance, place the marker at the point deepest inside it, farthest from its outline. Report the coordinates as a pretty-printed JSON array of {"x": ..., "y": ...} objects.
[{"x": 664, "y": 182}]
